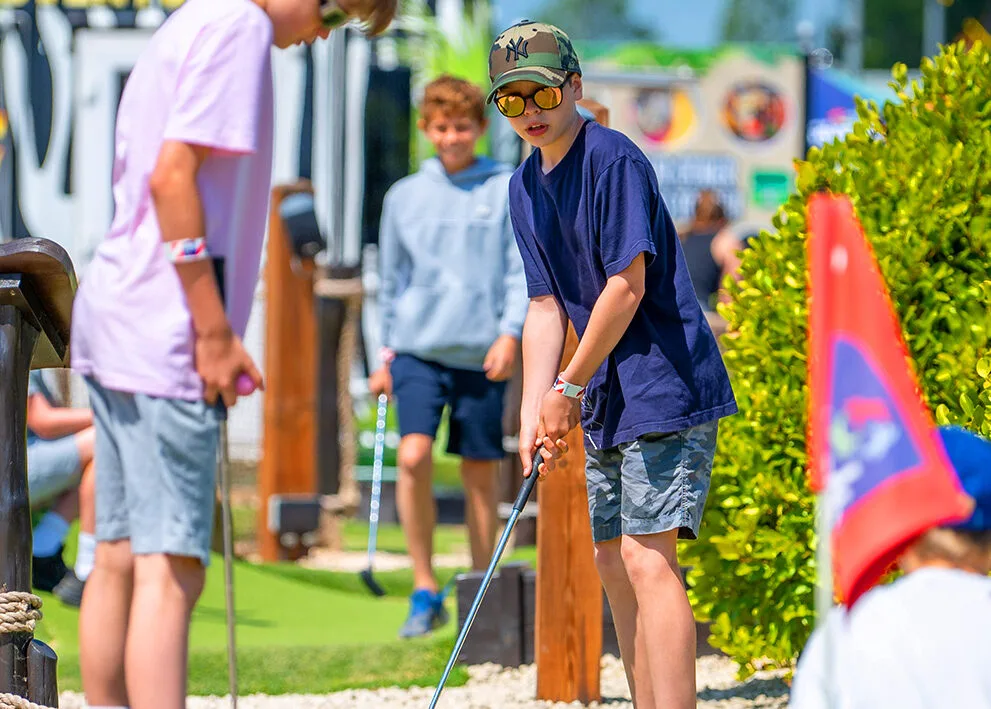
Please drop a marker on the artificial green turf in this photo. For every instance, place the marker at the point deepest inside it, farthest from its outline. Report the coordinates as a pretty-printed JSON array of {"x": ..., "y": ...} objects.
[{"x": 298, "y": 630}]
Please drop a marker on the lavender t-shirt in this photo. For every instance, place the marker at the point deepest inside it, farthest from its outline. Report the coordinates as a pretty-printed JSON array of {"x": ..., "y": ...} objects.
[{"x": 204, "y": 79}]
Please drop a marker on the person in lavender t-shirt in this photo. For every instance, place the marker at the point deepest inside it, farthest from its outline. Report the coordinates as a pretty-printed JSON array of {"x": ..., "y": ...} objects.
[{"x": 151, "y": 334}]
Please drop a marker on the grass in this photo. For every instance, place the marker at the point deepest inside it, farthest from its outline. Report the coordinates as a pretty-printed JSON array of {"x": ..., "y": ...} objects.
[{"x": 299, "y": 630}]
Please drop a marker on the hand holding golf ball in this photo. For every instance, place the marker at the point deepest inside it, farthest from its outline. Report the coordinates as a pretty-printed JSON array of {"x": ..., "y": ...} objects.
[{"x": 244, "y": 386}]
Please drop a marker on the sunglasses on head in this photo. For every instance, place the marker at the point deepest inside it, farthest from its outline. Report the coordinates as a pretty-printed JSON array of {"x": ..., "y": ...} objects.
[
  {"x": 332, "y": 16},
  {"x": 545, "y": 98}
]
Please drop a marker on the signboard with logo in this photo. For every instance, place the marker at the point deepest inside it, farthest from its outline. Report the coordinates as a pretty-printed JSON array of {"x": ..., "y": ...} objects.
[
  {"x": 730, "y": 121},
  {"x": 832, "y": 107}
]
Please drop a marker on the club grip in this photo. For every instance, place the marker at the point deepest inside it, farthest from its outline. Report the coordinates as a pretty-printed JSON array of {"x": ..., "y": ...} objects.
[{"x": 528, "y": 483}]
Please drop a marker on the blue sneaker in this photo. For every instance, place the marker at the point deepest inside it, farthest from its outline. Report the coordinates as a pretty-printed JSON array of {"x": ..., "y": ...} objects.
[{"x": 426, "y": 613}]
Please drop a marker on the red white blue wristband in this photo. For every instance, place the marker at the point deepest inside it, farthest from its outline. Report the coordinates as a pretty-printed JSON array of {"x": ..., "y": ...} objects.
[
  {"x": 186, "y": 250},
  {"x": 572, "y": 391}
]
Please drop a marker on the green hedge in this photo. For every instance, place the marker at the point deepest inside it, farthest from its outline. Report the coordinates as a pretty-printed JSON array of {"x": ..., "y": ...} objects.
[{"x": 919, "y": 175}]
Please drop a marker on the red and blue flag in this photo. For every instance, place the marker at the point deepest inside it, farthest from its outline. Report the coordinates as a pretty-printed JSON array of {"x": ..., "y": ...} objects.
[{"x": 873, "y": 447}]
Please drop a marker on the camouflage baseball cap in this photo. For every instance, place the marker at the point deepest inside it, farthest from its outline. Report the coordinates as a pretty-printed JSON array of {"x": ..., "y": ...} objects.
[{"x": 531, "y": 51}]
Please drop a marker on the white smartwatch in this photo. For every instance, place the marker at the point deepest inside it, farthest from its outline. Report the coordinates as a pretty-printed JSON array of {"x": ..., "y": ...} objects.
[{"x": 572, "y": 391}]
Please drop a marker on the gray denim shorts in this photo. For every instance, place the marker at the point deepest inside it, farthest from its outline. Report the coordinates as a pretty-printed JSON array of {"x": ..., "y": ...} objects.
[
  {"x": 656, "y": 483},
  {"x": 156, "y": 465},
  {"x": 54, "y": 467}
]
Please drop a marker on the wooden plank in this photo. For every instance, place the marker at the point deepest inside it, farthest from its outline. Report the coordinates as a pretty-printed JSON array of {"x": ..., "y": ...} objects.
[
  {"x": 17, "y": 343},
  {"x": 42, "y": 676},
  {"x": 568, "y": 621},
  {"x": 288, "y": 461}
]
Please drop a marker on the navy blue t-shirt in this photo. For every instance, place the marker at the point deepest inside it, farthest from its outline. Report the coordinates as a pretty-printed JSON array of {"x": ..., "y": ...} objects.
[{"x": 587, "y": 220}]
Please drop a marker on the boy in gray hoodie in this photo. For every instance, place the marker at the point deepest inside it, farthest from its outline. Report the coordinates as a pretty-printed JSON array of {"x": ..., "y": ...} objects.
[{"x": 453, "y": 301}]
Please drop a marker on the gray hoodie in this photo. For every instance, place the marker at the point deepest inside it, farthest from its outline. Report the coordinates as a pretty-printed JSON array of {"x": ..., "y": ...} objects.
[{"x": 452, "y": 277}]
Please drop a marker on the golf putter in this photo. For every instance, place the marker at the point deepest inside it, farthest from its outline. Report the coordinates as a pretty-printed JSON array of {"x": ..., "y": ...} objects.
[
  {"x": 244, "y": 386},
  {"x": 518, "y": 505},
  {"x": 373, "y": 505}
]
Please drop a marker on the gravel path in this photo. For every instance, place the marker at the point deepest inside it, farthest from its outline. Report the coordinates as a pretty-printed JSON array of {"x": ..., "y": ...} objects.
[{"x": 493, "y": 687}]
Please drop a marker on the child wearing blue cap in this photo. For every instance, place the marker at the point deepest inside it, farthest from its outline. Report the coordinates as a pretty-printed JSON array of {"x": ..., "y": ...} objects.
[{"x": 922, "y": 641}]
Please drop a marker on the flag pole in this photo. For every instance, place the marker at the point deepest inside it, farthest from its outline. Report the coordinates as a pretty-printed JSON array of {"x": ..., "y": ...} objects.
[{"x": 824, "y": 590}]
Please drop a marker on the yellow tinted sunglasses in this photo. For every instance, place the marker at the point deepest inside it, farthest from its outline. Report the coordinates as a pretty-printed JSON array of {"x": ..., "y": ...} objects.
[{"x": 545, "y": 98}]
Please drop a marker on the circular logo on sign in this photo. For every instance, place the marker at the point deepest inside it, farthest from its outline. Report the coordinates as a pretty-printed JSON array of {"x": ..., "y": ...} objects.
[
  {"x": 754, "y": 111},
  {"x": 665, "y": 115}
]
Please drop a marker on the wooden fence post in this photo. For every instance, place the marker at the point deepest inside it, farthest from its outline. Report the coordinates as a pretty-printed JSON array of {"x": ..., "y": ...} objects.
[
  {"x": 37, "y": 283},
  {"x": 288, "y": 462},
  {"x": 568, "y": 632}
]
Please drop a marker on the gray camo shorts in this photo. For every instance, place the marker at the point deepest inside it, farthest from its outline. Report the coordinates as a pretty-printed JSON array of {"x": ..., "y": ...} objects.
[{"x": 656, "y": 483}]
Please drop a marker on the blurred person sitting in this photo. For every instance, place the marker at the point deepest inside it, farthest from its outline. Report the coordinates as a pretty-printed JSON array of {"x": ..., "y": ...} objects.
[
  {"x": 922, "y": 641},
  {"x": 61, "y": 481}
]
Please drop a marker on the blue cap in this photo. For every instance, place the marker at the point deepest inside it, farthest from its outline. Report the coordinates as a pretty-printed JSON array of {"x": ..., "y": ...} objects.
[{"x": 970, "y": 455}]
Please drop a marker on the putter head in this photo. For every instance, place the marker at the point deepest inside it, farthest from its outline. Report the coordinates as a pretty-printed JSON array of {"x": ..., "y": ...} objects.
[{"x": 371, "y": 583}]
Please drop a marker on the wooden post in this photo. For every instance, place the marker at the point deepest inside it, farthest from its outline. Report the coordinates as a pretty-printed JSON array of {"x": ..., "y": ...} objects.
[
  {"x": 288, "y": 443},
  {"x": 568, "y": 633},
  {"x": 37, "y": 283},
  {"x": 17, "y": 339}
]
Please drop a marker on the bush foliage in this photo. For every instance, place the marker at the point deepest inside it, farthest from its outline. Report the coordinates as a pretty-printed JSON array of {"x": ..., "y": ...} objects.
[{"x": 919, "y": 175}]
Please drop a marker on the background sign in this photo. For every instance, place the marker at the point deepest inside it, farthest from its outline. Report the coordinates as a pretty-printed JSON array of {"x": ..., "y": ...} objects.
[{"x": 730, "y": 120}]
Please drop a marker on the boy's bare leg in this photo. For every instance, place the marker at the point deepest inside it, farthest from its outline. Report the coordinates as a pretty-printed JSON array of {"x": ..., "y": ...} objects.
[
  {"x": 623, "y": 605},
  {"x": 67, "y": 505},
  {"x": 479, "y": 477},
  {"x": 415, "y": 502},
  {"x": 166, "y": 589},
  {"x": 87, "y": 499},
  {"x": 103, "y": 621},
  {"x": 665, "y": 619}
]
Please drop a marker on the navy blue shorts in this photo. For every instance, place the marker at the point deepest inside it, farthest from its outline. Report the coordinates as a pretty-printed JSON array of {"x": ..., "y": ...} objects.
[{"x": 422, "y": 389}]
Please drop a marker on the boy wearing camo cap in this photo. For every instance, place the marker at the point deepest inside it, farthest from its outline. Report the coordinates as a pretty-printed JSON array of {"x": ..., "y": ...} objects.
[{"x": 647, "y": 380}]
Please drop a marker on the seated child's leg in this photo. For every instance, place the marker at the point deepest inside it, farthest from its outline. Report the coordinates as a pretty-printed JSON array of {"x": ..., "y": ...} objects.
[
  {"x": 476, "y": 435},
  {"x": 53, "y": 476},
  {"x": 103, "y": 624},
  {"x": 166, "y": 589},
  {"x": 86, "y": 549}
]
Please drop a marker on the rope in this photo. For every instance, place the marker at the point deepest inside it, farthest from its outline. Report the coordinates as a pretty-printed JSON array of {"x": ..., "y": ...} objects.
[
  {"x": 348, "y": 488},
  {"x": 350, "y": 290},
  {"x": 12, "y": 701},
  {"x": 19, "y": 612}
]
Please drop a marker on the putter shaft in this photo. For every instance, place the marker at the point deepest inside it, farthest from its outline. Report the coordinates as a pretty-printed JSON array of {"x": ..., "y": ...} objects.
[
  {"x": 225, "y": 507},
  {"x": 518, "y": 506}
]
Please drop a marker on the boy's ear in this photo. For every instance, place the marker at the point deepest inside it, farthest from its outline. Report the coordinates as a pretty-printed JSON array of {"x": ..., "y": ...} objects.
[
  {"x": 421, "y": 123},
  {"x": 576, "y": 85}
]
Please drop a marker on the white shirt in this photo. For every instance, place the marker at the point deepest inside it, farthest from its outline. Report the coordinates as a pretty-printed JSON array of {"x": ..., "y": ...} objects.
[{"x": 923, "y": 642}]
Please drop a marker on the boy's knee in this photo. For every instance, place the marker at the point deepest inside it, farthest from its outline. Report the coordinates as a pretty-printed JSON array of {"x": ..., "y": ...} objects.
[
  {"x": 190, "y": 575},
  {"x": 414, "y": 453},
  {"x": 648, "y": 563},
  {"x": 115, "y": 558},
  {"x": 609, "y": 561},
  {"x": 174, "y": 575}
]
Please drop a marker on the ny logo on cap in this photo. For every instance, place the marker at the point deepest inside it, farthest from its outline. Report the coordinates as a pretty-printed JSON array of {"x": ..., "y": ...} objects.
[{"x": 517, "y": 47}]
